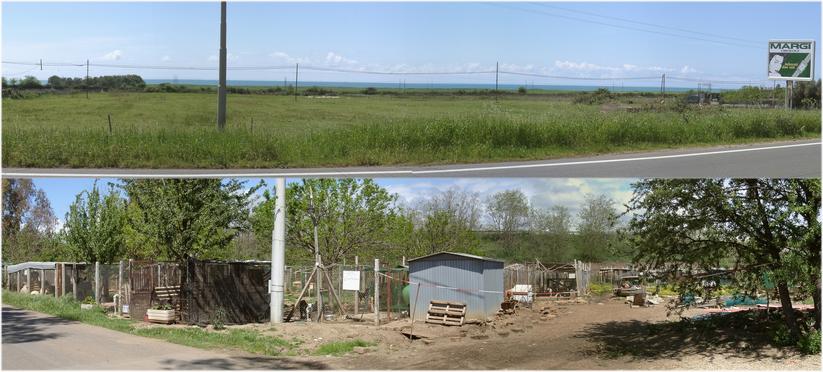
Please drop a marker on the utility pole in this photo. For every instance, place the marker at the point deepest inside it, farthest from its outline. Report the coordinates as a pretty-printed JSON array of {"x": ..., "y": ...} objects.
[
  {"x": 663, "y": 87},
  {"x": 317, "y": 262},
  {"x": 87, "y": 79},
  {"x": 296, "y": 71},
  {"x": 278, "y": 252},
  {"x": 41, "y": 64},
  {"x": 496, "y": 75},
  {"x": 221, "y": 85}
]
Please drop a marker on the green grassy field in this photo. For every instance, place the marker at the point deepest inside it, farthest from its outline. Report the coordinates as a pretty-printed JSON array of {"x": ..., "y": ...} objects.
[{"x": 177, "y": 130}]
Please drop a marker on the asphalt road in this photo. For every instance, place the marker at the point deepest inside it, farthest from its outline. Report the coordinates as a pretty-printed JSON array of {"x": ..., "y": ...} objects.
[
  {"x": 786, "y": 159},
  {"x": 34, "y": 341}
]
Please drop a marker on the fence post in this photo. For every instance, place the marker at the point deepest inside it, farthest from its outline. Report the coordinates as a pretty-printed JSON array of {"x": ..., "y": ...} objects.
[
  {"x": 28, "y": 281},
  {"x": 62, "y": 279},
  {"x": 376, "y": 291},
  {"x": 56, "y": 268},
  {"x": 120, "y": 280},
  {"x": 97, "y": 282},
  {"x": 74, "y": 280},
  {"x": 357, "y": 291},
  {"x": 18, "y": 281}
]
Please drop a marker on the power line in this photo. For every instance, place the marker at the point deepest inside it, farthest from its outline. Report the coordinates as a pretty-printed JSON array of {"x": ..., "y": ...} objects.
[
  {"x": 579, "y": 77},
  {"x": 648, "y": 24},
  {"x": 621, "y": 26}
]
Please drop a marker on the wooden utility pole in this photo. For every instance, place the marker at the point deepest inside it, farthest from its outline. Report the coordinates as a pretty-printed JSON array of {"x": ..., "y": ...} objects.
[
  {"x": 357, "y": 291},
  {"x": 496, "y": 75},
  {"x": 376, "y": 291},
  {"x": 221, "y": 87},
  {"x": 87, "y": 79},
  {"x": 296, "y": 70}
]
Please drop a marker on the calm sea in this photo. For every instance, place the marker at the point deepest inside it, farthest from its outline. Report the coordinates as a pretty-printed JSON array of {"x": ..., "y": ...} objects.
[{"x": 337, "y": 84}]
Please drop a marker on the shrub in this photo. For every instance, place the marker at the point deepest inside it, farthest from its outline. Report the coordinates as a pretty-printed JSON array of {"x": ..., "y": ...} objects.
[
  {"x": 521, "y": 90},
  {"x": 809, "y": 342},
  {"x": 370, "y": 90},
  {"x": 218, "y": 319},
  {"x": 30, "y": 82}
]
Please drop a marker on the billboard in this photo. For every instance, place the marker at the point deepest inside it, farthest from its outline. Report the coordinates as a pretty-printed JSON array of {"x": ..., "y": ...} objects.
[{"x": 791, "y": 60}]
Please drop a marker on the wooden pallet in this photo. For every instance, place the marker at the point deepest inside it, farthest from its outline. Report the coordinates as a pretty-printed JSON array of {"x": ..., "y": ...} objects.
[{"x": 446, "y": 313}]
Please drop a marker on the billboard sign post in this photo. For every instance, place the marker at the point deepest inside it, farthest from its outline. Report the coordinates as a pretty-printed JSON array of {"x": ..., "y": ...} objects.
[{"x": 791, "y": 60}]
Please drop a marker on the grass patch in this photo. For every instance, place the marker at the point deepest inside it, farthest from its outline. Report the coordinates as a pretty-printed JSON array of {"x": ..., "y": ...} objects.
[
  {"x": 341, "y": 347},
  {"x": 601, "y": 288},
  {"x": 66, "y": 308},
  {"x": 177, "y": 130}
]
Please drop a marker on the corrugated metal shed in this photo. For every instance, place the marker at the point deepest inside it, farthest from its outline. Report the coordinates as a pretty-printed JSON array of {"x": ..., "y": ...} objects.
[{"x": 474, "y": 280}]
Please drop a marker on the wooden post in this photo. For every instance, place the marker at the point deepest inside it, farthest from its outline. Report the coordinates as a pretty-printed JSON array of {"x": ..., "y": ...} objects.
[
  {"x": 18, "y": 281},
  {"x": 357, "y": 292},
  {"x": 120, "y": 280},
  {"x": 97, "y": 282},
  {"x": 74, "y": 280},
  {"x": 56, "y": 281},
  {"x": 376, "y": 291},
  {"x": 28, "y": 281}
]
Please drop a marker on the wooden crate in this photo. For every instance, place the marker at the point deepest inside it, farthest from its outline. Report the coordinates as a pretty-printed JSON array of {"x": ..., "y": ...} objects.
[{"x": 446, "y": 313}]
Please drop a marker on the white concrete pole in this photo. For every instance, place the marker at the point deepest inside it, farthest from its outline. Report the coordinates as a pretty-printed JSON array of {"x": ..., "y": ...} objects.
[
  {"x": 120, "y": 280},
  {"x": 278, "y": 252},
  {"x": 56, "y": 282},
  {"x": 18, "y": 281},
  {"x": 28, "y": 281},
  {"x": 376, "y": 291},
  {"x": 74, "y": 280}
]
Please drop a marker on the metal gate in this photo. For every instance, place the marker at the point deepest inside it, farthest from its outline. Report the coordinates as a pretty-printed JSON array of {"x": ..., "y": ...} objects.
[{"x": 141, "y": 283}]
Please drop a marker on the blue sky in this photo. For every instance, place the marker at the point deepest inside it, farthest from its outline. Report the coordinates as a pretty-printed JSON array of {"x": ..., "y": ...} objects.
[
  {"x": 541, "y": 192},
  {"x": 524, "y": 37}
]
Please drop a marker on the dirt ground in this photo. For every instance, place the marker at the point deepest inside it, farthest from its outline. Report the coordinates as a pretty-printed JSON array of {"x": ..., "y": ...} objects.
[{"x": 600, "y": 334}]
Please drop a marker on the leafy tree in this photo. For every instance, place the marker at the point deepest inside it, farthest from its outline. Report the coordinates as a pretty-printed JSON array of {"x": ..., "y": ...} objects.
[
  {"x": 508, "y": 211},
  {"x": 28, "y": 221},
  {"x": 30, "y": 82},
  {"x": 555, "y": 225},
  {"x": 94, "y": 226},
  {"x": 353, "y": 217},
  {"x": 758, "y": 228},
  {"x": 447, "y": 221},
  {"x": 182, "y": 218},
  {"x": 596, "y": 228}
]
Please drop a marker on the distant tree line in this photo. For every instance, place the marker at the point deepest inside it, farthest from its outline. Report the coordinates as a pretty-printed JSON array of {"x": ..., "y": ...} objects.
[{"x": 113, "y": 82}]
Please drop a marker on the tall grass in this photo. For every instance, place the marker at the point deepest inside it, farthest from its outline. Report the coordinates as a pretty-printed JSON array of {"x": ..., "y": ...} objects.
[{"x": 177, "y": 130}]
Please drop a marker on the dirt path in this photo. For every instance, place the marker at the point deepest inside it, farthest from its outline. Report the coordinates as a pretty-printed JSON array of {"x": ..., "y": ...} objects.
[{"x": 576, "y": 339}]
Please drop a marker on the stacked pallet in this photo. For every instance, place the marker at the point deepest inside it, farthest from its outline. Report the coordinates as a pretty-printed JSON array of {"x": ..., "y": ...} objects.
[{"x": 446, "y": 313}]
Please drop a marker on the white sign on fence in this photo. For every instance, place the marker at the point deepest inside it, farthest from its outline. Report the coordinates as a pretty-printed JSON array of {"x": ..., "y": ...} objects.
[{"x": 351, "y": 280}]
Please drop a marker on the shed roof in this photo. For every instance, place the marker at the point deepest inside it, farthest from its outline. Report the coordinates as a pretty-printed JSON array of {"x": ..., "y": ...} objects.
[
  {"x": 463, "y": 255},
  {"x": 30, "y": 265}
]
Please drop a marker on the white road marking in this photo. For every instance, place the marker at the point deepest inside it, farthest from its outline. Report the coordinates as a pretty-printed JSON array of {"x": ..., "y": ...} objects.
[{"x": 212, "y": 174}]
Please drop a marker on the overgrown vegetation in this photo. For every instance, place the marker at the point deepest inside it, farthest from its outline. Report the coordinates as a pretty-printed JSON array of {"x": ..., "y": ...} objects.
[{"x": 157, "y": 130}]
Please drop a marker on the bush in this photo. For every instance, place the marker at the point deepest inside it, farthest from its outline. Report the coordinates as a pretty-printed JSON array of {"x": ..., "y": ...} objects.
[
  {"x": 809, "y": 343},
  {"x": 370, "y": 90},
  {"x": 218, "y": 319},
  {"x": 521, "y": 90},
  {"x": 30, "y": 82}
]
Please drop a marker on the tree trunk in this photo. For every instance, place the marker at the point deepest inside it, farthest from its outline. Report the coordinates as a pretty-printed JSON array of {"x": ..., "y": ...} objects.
[{"x": 788, "y": 310}]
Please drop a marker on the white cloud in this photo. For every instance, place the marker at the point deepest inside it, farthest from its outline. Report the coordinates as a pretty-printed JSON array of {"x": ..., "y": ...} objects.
[
  {"x": 114, "y": 55},
  {"x": 333, "y": 58},
  {"x": 165, "y": 58},
  {"x": 687, "y": 70}
]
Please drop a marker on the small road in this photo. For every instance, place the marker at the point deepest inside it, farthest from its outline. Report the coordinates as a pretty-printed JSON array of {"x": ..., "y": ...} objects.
[
  {"x": 34, "y": 341},
  {"x": 785, "y": 159}
]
